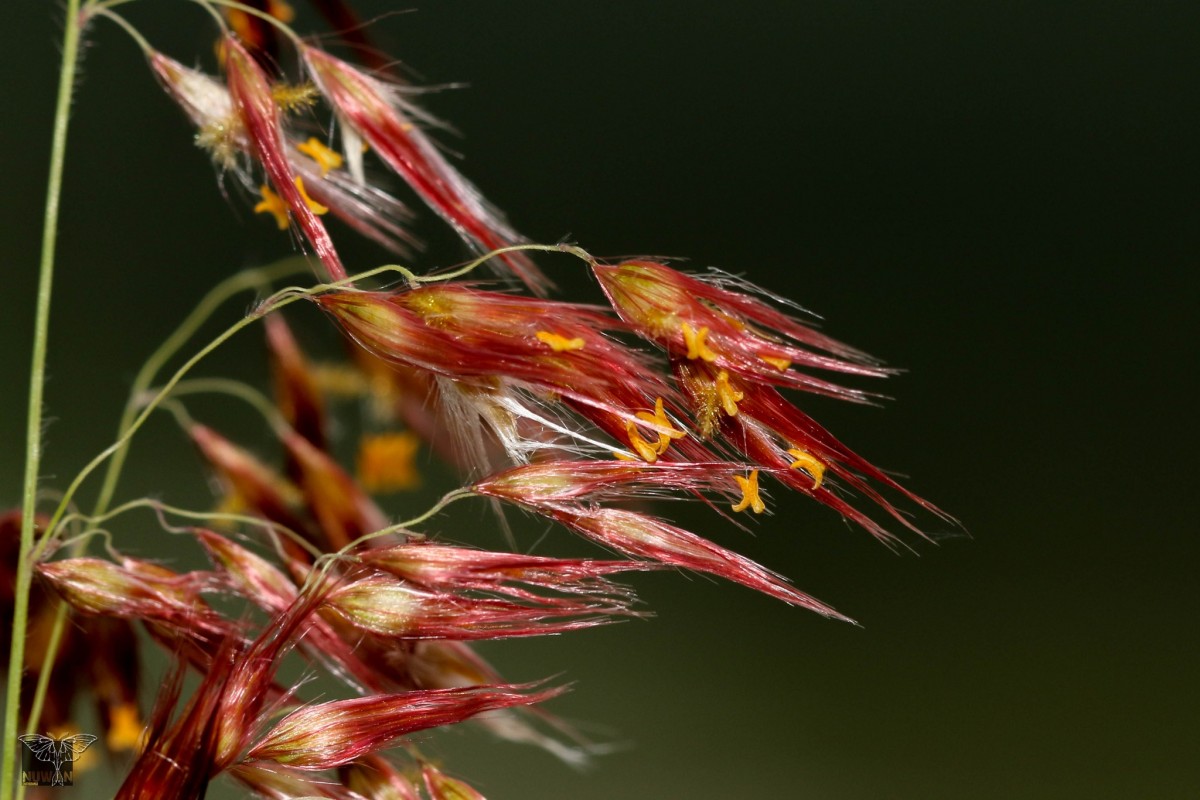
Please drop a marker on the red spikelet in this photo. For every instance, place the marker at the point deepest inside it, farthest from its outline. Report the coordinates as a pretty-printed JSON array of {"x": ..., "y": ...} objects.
[
  {"x": 260, "y": 117},
  {"x": 328, "y": 735},
  {"x": 377, "y": 114}
]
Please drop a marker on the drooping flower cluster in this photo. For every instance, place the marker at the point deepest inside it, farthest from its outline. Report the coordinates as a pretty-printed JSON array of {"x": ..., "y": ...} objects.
[{"x": 575, "y": 413}]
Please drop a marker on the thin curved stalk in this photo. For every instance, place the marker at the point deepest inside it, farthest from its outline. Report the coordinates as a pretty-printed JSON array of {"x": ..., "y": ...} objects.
[
  {"x": 254, "y": 278},
  {"x": 37, "y": 378}
]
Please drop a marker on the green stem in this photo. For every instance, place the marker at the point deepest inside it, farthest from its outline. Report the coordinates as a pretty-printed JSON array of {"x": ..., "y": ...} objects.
[
  {"x": 43, "y": 684},
  {"x": 37, "y": 377}
]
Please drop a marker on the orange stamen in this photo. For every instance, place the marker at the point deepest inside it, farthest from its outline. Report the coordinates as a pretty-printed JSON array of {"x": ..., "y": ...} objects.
[
  {"x": 325, "y": 157},
  {"x": 559, "y": 343},
  {"x": 648, "y": 452},
  {"x": 272, "y": 203},
  {"x": 662, "y": 425},
  {"x": 750, "y": 496},
  {"x": 727, "y": 394},
  {"x": 313, "y": 205},
  {"x": 809, "y": 464},
  {"x": 780, "y": 364},
  {"x": 697, "y": 348}
]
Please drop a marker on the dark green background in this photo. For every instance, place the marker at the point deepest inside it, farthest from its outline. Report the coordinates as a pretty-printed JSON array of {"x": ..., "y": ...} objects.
[{"x": 1000, "y": 197}]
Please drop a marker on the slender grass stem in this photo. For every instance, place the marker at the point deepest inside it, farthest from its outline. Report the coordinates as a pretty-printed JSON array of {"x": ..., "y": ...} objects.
[{"x": 37, "y": 377}]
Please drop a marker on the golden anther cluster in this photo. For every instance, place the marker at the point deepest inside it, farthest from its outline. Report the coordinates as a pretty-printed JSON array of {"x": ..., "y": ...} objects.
[
  {"x": 728, "y": 395},
  {"x": 275, "y": 205},
  {"x": 313, "y": 205}
]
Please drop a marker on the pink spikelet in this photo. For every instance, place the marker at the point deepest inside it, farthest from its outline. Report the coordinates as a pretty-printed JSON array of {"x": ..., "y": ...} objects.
[
  {"x": 221, "y": 719},
  {"x": 556, "y": 491},
  {"x": 250, "y": 91},
  {"x": 374, "y": 112},
  {"x": 377, "y": 778},
  {"x": 259, "y": 581},
  {"x": 437, "y": 566},
  {"x": 167, "y": 603},
  {"x": 367, "y": 209},
  {"x": 342, "y": 508},
  {"x": 273, "y": 781},
  {"x": 564, "y": 481},
  {"x": 328, "y": 735},
  {"x": 729, "y": 351},
  {"x": 492, "y": 344},
  {"x": 695, "y": 318},
  {"x": 382, "y": 604},
  {"x": 442, "y": 787}
]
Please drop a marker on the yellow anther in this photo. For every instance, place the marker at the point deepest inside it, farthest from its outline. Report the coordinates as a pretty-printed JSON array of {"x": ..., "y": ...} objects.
[
  {"x": 728, "y": 395},
  {"x": 750, "y": 498},
  {"x": 648, "y": 452},
  {"x": 780, "y": 364},
  {"x": 809, "y": 464},
  {"x": 560, "y": 343},
  {"x": 385, "y": 462},
  {"x": 659, "y": 417},
  {"x": 663, "y": 427},
  {"x": 272, "y": 204},
  {"x": 313, "y": 205},
  {"x": 325, "y": 157},
  {"x": 697, "y": 348},
  {"x": 124, "y": 727},
  {"x": 621, "y": 455}
]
